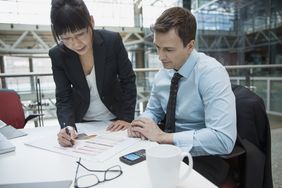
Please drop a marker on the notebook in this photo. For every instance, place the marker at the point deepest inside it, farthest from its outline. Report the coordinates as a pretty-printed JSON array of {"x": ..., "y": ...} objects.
[{"x": 5, "y": 145}]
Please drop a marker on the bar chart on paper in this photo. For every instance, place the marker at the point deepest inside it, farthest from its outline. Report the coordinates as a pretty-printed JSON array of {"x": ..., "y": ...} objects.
[
  {"x": 93, "y": 147},
  {"x": 98, "y": 145}
]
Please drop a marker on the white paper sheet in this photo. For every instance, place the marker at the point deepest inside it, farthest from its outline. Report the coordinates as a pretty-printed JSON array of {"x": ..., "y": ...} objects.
[
  {"x": 90, "y": 127},
  {"x": 97, "y": 148}
]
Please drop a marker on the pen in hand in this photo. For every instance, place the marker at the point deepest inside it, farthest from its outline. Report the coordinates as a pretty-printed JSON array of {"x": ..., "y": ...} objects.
[{"x": 68, "y": 132}]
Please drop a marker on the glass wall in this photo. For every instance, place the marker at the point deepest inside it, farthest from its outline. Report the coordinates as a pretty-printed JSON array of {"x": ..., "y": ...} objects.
[
  {"x": 245, "y": 32},
  {"x": 240, "y": 32},
  {"x": 24, "y": 65}
]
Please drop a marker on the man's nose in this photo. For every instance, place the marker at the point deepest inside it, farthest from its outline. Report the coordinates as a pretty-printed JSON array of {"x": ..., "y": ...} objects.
[{"x": 162, "y": 55}]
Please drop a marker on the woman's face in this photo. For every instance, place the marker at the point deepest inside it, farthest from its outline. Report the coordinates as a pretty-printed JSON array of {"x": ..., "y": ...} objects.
[{"x": 79, "y": 41}]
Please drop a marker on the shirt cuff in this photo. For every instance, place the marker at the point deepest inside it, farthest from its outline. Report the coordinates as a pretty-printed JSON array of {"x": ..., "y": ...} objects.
[
  {"x": 184, "y": 140},
  {"x": 149, "y": 116}
]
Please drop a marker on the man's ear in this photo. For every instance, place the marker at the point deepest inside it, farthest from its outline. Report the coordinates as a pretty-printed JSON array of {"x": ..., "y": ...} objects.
[
  {"x": 92, "y": 21},
  {"x": 190, "y": 46}
]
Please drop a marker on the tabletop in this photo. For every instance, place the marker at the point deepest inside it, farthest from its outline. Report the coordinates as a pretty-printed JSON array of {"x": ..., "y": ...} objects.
[{"x": 31, "y": 164}]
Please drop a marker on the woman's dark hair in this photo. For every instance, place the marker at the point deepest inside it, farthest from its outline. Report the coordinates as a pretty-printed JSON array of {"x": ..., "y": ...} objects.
[
  {"x": 181, "y": 19},
  {"x": 68, "y": 16}
]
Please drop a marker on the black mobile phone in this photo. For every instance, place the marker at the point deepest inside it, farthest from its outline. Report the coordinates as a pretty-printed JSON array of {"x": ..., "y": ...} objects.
[{"x": 134, "y": 157}]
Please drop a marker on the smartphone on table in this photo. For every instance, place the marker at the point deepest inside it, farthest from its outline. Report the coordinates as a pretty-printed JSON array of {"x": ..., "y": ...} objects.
[{"x": 134, "y": 157}]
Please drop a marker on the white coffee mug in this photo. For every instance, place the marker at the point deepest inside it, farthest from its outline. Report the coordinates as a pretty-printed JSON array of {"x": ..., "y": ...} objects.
[{"x": 164, "y": 164}]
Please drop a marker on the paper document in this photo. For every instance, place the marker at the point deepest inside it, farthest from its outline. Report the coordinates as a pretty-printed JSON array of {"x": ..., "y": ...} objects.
[
  {"x": 93, "y": 127},
  {"x": 98, "y": 145}
]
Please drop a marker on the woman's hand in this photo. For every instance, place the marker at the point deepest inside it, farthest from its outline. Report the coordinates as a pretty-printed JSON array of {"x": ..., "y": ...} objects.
[
  {"x": 66, "y": 136},
  {"x": 118, "y": 125}
]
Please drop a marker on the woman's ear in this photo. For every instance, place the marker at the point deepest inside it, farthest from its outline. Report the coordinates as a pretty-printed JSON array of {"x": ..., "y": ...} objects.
[{"x": 92, "y": 21}]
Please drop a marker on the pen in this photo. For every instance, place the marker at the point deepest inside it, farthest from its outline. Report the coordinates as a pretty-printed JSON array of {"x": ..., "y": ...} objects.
[{"x": 68, "y": 132}]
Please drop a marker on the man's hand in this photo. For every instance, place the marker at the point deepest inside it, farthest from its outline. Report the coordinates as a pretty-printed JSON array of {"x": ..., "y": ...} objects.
[
  {"x": 118, "y": 125},
  {"x": 147, "y": 128},
  {"x": 66, "y": 136},
  {"x": 134, "y": 134}
]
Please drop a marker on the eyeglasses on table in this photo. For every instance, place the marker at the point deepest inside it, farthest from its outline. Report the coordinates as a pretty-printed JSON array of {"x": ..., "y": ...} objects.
[{"x": 91, "y": 179}]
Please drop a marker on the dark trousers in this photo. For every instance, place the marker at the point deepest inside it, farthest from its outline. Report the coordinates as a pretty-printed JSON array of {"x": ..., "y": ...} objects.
[{"x": 214, "y": 168}]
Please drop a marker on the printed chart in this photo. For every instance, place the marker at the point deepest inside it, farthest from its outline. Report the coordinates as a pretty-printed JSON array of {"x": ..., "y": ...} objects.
[{"x": 98, "y": 148}]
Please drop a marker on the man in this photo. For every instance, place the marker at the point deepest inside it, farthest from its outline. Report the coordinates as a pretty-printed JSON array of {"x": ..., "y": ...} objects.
[{"x": 203, "y": 120}]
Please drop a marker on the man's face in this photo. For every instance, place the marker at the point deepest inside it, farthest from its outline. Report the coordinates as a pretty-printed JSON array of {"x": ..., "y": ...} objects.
[{"x": 172, "y": 53}]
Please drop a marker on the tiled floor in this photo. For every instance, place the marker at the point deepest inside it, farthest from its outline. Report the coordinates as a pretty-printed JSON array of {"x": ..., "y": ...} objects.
[
  {"x": 276, "y": 148},
  {"x": 276, "y": 136}
]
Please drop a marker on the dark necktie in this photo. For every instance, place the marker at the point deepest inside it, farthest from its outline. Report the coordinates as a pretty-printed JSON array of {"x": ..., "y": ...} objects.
[{"x": 170, "y": 110}]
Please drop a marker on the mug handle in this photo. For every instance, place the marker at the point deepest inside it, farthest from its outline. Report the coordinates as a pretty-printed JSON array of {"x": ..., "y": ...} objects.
[{"x": 190, "y": 166}]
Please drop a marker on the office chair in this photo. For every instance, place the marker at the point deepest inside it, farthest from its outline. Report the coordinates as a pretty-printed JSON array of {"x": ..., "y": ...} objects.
[
  {"x": 250, "y": 160},
  {"x": 11, "y": 110},
  {"x": 251, "y": 156}
]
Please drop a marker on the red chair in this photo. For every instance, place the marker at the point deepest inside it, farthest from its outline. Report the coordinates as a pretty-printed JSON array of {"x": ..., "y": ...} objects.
[{"x": 11, "y": 109}]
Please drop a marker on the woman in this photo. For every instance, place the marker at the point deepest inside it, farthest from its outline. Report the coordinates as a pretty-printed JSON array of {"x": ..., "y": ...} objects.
[{"x": 93, "y": 75}]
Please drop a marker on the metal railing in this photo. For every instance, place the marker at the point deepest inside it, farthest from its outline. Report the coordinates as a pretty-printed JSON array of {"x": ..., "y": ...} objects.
[{"x": 268, "y": 87}]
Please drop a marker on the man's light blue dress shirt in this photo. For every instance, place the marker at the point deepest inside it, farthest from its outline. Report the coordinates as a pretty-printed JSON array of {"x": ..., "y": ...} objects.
[{"x": 205, "y": 107}]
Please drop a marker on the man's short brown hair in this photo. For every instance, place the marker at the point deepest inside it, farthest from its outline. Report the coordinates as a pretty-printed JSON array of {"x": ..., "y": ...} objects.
[{"x": 180, "y": 19}]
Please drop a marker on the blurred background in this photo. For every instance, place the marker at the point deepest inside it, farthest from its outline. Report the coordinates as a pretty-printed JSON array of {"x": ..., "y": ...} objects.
[{"x": 244, "y": 35}]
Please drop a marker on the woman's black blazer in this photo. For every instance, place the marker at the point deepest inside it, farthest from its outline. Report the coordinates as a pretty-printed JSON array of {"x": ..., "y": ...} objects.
[{"x": 115, "y": 79}]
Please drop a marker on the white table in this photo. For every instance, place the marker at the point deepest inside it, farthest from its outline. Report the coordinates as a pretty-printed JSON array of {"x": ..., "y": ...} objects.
[{"x": 30, "y": 164}]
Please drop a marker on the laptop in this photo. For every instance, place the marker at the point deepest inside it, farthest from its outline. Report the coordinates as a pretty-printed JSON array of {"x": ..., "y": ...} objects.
[
  {"x": 10, "y": 132},
  {"x": 5, "y": 145},
  {"x": 51, "y": 184}
]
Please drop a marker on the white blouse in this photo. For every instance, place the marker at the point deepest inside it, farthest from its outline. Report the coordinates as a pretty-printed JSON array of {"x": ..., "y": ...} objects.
[{"x": 97, "y": 110}]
